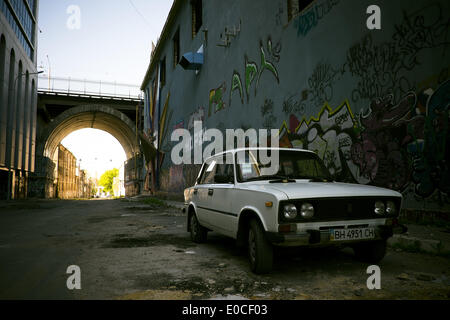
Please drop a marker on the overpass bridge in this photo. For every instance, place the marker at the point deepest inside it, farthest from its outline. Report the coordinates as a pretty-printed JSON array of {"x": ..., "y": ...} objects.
[{"x": 66, "y": 105}]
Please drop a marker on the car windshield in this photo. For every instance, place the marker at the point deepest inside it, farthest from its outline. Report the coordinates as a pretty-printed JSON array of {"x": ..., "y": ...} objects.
[{"x": 292, "y": 165}]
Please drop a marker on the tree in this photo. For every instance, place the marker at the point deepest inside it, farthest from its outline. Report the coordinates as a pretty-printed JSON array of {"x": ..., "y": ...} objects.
[{"x": 107, "y": 179}]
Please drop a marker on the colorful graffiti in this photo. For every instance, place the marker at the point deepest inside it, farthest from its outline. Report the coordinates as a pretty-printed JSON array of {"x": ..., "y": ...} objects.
[
  {"x": 308, "y": 20},
  {"x": 269, "y": 55},
  {"x": 236, "y": 84},
  {"x": 393, "y": 145},
  {"x": 166, "y": 117},
  {"x": 431, "y": 153},
  {"x": 385, "y": 133},
  {"x": 216, "y": 103},
  {"x": 330, "y": 135}
]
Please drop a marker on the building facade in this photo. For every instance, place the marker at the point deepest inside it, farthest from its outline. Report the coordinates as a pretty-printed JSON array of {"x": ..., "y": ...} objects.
[
  {"x": 18, "y": 95},
  {"x": 373, "y": 103},
  {"x": 72, "y": 182}
]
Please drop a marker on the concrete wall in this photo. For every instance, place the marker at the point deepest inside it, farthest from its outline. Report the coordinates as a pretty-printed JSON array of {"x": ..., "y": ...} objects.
[{"x": 373, "y": 104}]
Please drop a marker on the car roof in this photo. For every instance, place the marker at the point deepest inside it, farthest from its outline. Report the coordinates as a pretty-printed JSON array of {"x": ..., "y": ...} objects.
[{"x": 234, "y": 151}]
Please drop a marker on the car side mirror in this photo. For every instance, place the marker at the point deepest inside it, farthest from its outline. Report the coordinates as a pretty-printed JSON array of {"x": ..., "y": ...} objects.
[{"x": 222, "y": 179}]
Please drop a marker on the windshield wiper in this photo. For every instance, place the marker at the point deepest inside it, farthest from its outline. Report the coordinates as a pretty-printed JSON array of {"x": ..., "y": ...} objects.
[
  {"x": 284, "y": 180},
  {"x": 317, "y": 179},
  {"x": 274, "y": 178}
]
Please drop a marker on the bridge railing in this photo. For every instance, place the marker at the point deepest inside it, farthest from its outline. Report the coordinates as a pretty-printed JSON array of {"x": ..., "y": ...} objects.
[{"x": 73, "y": 86}]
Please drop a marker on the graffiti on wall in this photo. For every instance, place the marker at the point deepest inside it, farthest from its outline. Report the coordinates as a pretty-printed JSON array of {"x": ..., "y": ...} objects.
[
  {"x": 216, "y": 103},
  {"x": 166, "y": 118},
  {"x": 267, "y": 112},
  {"x": 310, "y": 18},
  {"x": 431, "y": 153},
  {"x": 321, "y": 83},
  {"x": 330, "y": 135},
  {"x": 253, "y": 71},
  {"x": 177, "y": 181},
  {"x": 269, "y": 56},
  {"x": 198, "y": 115},
  {"x": 380, "y": 68},
  {"x": 394, "y": 144}
]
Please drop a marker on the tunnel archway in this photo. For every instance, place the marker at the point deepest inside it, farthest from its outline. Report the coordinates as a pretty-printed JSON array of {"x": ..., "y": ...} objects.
[{"x": 101, "y": 117}]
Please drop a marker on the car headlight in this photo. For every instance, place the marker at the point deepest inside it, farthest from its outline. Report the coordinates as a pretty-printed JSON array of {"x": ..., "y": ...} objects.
[
  {"x": 290, "y": 211},
  {"x": 307, "y": 211},
  {"x": 379, "y": 207},
  {"x": 390, "y": 207}
]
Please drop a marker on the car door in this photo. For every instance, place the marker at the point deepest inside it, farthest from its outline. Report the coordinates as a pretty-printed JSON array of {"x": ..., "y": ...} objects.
[
  {"x": 202, "y": 192},
  {"x": 220, "y": 195}
]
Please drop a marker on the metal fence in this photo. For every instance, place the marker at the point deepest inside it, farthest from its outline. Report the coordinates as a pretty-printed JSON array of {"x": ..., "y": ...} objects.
[{"x": 88, "y": 87}]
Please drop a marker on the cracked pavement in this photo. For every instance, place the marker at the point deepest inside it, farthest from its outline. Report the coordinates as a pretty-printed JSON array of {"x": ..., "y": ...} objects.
[{"x": 131, "y": 250}]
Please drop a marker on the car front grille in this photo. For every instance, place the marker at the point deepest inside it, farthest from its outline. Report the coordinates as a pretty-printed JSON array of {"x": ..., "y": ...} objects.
[{"x": 337, "y": 209}]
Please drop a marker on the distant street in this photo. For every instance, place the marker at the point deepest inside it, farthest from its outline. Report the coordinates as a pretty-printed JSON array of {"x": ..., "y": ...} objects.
[{"x": 132, "y": 250}]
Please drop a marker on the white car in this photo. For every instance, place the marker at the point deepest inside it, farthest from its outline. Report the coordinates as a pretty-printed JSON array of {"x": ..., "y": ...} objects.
[{"x": 301, "y": 205}]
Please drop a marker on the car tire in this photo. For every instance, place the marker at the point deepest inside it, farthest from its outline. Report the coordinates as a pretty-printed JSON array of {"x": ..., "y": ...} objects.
[
  {"x": 198, "y": 232},
  {"x": 371, "y": 252},
  {"x": 260, "y": 251}
]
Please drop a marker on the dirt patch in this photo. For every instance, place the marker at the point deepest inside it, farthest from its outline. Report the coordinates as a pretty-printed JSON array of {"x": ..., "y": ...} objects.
[
  {"x": 157, "y": 295},
  {"x": 203, "y": 288},
  {"x": 101, "y": 219},
  {"x": 154, "y": 280},
  {"x": 150, "y": 241}
]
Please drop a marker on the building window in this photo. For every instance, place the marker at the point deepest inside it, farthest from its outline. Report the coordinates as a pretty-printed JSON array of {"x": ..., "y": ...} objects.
[
  {"x": 162, "y": 72},
  {"x": 197, "y": 16},
  {"x": 176, "y": 48},
  {"x": 297, "y": 6},
  {"x": 2, "y": 65},
  {"x": 21, "y": 21}
]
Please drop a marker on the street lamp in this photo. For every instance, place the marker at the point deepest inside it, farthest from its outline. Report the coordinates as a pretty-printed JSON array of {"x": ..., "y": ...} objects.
[
  {"x": 15, "y": 97},
  {"x": 49, "y": 72}
]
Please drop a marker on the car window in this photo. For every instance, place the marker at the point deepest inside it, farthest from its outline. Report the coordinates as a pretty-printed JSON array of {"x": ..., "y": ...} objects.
[
  {"x": 307, "y": 168},
  {"x": 209, "y": 172},
  {"x": 225, "y": 170},
  {"x": 247, "y": 165},
  {"x": 292, "y": 164}
]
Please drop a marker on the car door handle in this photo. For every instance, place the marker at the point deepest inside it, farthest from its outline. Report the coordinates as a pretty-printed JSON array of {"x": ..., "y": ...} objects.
[{"x": 210, "y": 192}]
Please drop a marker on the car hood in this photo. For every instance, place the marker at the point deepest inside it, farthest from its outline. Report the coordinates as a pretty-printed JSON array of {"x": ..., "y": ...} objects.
[{"x": 311, "y": 190}]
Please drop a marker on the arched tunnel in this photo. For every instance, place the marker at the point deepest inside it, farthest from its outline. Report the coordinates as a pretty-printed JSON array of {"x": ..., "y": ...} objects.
[{"x": 96, "y": 116}]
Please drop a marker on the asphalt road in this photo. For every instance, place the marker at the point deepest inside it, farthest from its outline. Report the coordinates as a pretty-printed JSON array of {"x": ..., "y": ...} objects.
[{"x": 130, "y": 250}]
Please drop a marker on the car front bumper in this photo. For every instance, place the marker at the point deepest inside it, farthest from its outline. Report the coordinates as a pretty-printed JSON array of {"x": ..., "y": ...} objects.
[{"x": 320, "y": 235}]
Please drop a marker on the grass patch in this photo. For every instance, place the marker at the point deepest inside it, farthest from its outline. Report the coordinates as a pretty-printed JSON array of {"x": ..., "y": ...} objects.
[
  {"x": 123, "y": 241},
  {"x": 155, "y": 202}
]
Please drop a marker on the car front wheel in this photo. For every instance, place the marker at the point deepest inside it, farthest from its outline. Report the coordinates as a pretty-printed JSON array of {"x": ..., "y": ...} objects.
[
  {"x": 371, "y": 252},
  {"x": 198, "y": 232},
  {"x": 260, "y": 250}
]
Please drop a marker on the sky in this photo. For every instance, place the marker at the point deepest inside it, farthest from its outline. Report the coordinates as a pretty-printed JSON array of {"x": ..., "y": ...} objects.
[
  {"x": 96, "y": 155},
  {"x": 113, "y": 42},
  {"x": 107, "y": 40}
]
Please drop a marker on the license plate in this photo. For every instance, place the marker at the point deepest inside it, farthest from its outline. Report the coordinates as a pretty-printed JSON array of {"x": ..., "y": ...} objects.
[{"x": 352, "y": 234}]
